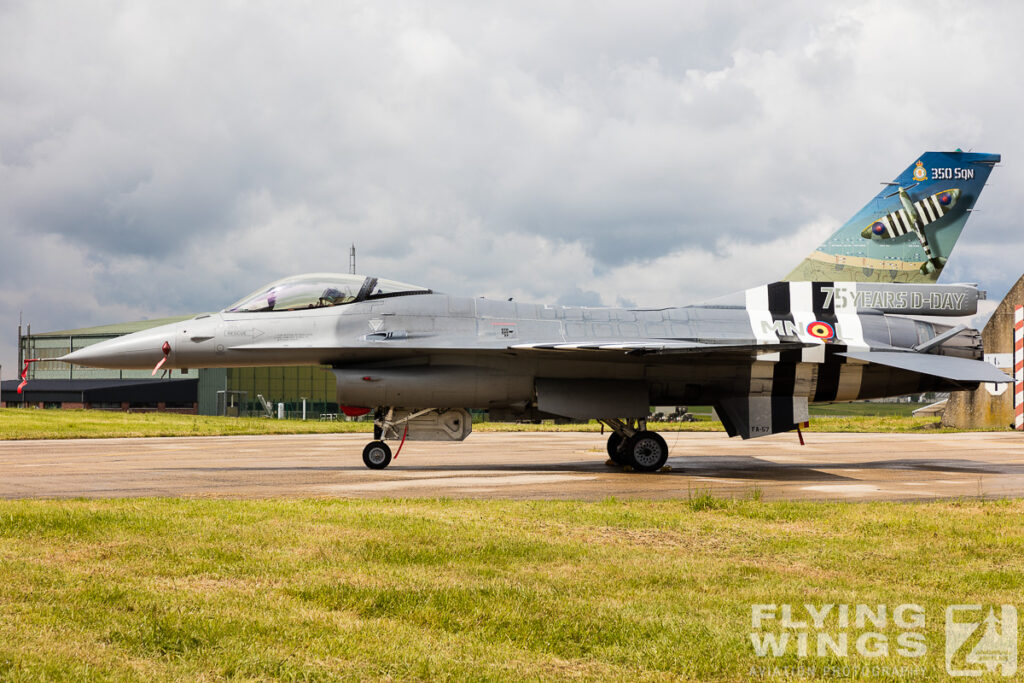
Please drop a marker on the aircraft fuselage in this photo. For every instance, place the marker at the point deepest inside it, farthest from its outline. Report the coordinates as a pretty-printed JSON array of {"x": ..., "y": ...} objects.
[{"x": 439, "y": 350}]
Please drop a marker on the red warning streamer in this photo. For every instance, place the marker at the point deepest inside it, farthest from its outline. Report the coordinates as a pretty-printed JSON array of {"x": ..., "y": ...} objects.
[
  {"x": 24, "y": 372},
  {"x": 404, "y": 434},
  {"x": 166, "y": 348}
]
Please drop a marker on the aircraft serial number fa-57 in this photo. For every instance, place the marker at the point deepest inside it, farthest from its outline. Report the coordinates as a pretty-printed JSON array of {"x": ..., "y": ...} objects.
[{"x": 841, "y": 327}]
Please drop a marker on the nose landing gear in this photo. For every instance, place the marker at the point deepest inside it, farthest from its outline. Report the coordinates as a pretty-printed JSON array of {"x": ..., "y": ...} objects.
[
  {"x": 398, "y": 424},
  {"x": 377, "y": 455}
]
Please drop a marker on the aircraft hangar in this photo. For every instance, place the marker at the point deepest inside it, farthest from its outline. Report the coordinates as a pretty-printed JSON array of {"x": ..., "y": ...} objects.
[{"x": 213, "y": 391}]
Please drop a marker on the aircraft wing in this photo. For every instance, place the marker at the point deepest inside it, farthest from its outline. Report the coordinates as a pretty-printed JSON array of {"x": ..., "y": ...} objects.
[
  {"x": 611, "y": 348},
  {"x": 949, "y": 367},
  {"x": 661, "y": 347}
]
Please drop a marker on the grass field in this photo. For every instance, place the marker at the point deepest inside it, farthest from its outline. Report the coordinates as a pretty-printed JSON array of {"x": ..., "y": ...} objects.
[
  {"x": 431, "y": 590},
  {"x": 844, "y": 409},
  {"x": 20, "y": 423},
  {"x": 865, "y": 409}
]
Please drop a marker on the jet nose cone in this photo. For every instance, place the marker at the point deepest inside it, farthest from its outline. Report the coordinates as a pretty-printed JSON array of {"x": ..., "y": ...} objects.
[
  {"x": 81, "y": 356},
  {"x": 138, "y": 351}
]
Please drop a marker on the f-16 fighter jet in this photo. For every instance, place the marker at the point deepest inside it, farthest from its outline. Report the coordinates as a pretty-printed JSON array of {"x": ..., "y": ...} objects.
[{"x": 418, "y": 360}]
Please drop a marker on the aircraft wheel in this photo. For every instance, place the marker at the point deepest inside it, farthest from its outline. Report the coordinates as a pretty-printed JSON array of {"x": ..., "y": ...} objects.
[
  {"x": 377, "y": 455},
  {"x": 614, "y": 441},
  {"x": 647, "y": 452}
]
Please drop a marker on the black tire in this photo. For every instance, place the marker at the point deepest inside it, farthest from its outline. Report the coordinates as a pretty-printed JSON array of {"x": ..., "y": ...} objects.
[
  {"x": 647, "y": 452},
  {"x": 613, "y": 449},
  {"x": 377, "y": 455}
]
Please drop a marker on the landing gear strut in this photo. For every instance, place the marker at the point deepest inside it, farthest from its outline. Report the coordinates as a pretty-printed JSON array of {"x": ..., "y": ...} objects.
[
  {"x": 377, "y": 454},
  {"x": 631, "y": 444}
]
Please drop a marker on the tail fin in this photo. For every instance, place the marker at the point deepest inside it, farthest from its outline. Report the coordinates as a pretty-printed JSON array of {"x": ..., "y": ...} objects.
[{"x": 907, "y": 232}]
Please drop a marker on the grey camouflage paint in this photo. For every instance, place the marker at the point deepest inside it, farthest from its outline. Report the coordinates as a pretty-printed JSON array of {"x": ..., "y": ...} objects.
[{"x": 753, "y": 355}]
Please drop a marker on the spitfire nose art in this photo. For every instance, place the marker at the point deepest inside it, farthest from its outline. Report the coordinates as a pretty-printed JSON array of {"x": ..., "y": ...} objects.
[{"x": 913, "y": 216}]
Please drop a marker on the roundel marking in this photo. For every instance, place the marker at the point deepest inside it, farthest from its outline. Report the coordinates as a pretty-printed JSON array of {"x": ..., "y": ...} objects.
[
  {"x": 945, "y": 198},
  {"x": 878, "y": 228},
  {"x": 821, "y": 330}
]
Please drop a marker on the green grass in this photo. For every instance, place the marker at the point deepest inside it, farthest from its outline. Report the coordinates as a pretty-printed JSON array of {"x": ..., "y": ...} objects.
[
  {"x": 439, "y": 590},
  {"x": 28, "y": 423},
  {"x": 864, "y": 409},
  {"x": 843, "y": 409},
  {"x": 22, "y": 423}
]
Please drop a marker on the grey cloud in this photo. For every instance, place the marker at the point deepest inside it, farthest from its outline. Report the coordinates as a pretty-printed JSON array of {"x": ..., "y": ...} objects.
[
  {"x": 159, "y": 159},
  {"x": 577, "y": 297}
]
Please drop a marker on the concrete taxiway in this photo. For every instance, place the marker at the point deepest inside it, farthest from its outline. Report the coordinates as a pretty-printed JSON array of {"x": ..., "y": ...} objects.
[{"x": 521, "y": 466}]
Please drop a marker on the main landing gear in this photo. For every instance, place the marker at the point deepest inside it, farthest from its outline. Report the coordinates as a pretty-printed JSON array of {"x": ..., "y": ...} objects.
[{"x": 631, "y": 444}]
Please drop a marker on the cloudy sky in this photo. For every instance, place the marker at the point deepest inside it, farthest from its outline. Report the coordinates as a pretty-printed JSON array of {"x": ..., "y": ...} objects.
[{"x": 161, "y": 158}]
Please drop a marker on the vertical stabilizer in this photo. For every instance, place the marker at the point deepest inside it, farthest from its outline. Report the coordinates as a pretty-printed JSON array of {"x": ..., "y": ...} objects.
[{"x": 907, "y": 232}]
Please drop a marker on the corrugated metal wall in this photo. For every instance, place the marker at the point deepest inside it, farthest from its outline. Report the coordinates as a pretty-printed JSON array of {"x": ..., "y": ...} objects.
[{"x": 211, "y": 380}]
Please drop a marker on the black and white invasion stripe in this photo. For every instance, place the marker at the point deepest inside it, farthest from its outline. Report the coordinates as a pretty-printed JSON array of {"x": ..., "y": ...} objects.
[{"x": 899, "y": 223}]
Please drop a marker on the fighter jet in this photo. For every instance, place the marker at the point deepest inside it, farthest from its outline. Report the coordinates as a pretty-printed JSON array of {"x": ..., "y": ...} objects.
[{"x": 419, "y": 360}]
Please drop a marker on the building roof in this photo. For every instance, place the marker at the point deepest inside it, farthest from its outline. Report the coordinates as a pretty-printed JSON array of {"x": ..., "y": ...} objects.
[
  {"x": 114, "y": 329},
  {"x": 101, "y": 390},
  {"x": 73, "y": 384}
]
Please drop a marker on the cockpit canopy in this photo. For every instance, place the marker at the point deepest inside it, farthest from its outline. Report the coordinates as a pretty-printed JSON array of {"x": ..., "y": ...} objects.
[{"x": 319, "y": 290}]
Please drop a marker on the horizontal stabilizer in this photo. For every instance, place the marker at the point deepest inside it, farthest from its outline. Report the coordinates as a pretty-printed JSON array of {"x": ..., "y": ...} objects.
[
  {"x": 760, "y": 415},
  {"x": 947, "y": 367}
]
